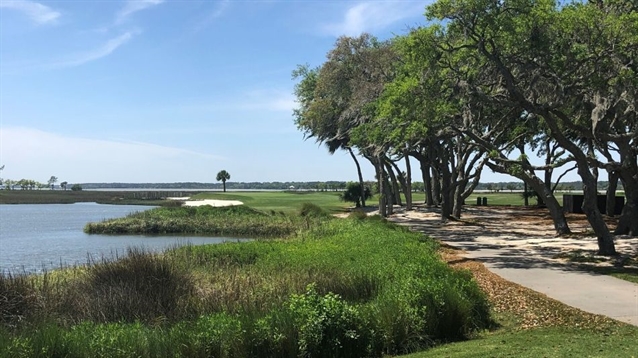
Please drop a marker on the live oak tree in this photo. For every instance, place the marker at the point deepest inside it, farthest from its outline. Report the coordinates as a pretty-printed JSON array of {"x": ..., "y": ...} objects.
[
  {"x": 333, "y": 98},
  {"x": 571, "y": 66},
  {"x": 491, "y": 79},
  {"x": 52, "y": 181}
]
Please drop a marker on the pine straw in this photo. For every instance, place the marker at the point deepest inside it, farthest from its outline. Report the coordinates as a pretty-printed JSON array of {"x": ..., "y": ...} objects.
[{"x": 531, "y": 308}]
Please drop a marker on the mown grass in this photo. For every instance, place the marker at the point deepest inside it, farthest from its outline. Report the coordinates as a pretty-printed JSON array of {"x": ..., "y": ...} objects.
[
  {"x": 354, "y": 287},
  {"x": 619, "y": 341},
  {"x": 282, "y": 201}
]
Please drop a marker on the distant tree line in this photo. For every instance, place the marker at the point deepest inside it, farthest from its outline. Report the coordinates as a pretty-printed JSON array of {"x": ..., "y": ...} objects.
[{"x": 296, "y": 185}]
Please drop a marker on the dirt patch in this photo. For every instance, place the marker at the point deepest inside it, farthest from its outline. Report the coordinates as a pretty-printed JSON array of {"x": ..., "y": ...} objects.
[{"x": 522, "y": 230}]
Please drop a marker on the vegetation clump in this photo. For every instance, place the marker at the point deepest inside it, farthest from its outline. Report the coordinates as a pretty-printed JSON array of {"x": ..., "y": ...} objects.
[
  {"x": 239, "y": 221},
  {"x": 350, "y": 288}
]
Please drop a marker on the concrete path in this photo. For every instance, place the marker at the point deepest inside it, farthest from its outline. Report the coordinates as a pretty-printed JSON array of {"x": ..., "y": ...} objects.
[
  {"x": 529, "y": 260},
  {"x": 594, "y": 293}
]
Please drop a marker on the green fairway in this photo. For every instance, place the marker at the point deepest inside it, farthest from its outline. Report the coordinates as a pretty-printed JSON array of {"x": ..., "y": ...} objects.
[
  {"x": 617, "y": 341},
  {"x": 285, "y": 201},
  {"x": 501, "y": 198}
]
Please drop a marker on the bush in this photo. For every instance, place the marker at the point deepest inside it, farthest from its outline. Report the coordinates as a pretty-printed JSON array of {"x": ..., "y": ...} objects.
[
  {"x": 353, "y": 193},
  {"x": 312, "y": 210},
  {"x": 76, "y": 187}
]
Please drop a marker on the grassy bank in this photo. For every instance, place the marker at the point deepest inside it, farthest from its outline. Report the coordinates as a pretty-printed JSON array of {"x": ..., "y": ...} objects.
[
  {"x": 239, "y": 221},
  {"x": 339, "y": 287},
  {"x": 69, "y": 197}
]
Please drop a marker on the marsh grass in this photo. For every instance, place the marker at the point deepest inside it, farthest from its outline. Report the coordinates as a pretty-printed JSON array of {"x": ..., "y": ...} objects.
[
  {"x": 340, "y": 288},
  {"x": 238, "y": 221}
]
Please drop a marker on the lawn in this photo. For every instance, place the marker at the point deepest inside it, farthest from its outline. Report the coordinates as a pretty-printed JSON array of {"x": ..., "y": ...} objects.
[
  {"x": 284, "y": 201},
  {"x": 619, "y": 341}
]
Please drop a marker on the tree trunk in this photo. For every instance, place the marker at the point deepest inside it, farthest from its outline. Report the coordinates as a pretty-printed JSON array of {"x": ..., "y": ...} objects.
[
  {"x": 446, "y": 192},
  {"x": 408, "y": 182},
  {"x": 611, "y": 193},
  {"x": 396, "y": 192},
  {"x": 427, "y": 178},
  {"x": 555, "y": 209},
  {"x": 363, "y": 189},
  {"x": 427, "y": 185},
  {"x": 382, "y": 191},
  {"x": 403, "y": 182},
  {"x": 628, "y": 224},
  {"x": 533, "y": 181},
  {"x": 436, "y": 186},
  {"x": 458, "y": 202},
  {"x": 590, "y": 207}
]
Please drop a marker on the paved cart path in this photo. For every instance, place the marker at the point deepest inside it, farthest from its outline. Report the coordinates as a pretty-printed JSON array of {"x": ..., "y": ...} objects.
[{"x": 523, "y": 251}]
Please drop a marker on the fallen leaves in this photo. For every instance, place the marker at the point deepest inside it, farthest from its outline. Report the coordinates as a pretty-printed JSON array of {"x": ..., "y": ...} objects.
[{"x": 533, "y": 309}]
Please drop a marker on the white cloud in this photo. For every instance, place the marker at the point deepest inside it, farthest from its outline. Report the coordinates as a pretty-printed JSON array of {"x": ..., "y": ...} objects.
[
  {"x": 34, "y": 154},
  {"x": 39, "y": 13},
  {"x": 272, "y": 100},
  {"x": 133, "y": 6},
  {"x": 102, "y": 51},
  {"x": 372, "y": 16},
  {"x": 218, "y": 11},
  {"x": 256, "y": 100}
]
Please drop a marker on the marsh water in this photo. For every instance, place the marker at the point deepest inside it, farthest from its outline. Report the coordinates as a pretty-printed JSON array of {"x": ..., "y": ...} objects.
[{"x": 41, "y": 237}]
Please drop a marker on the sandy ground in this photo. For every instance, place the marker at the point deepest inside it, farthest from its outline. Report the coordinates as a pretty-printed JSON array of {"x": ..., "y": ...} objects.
[
  {"x": 526, "y": 230},
  {"x": 211, "y": 202}
]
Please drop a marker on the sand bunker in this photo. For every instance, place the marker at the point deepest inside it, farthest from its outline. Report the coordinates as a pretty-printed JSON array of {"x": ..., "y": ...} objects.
[{"x": 211, "y": 202}]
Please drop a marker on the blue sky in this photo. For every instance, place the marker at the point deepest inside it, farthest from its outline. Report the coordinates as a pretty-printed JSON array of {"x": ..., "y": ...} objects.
[{"x": 168, "y": 91}]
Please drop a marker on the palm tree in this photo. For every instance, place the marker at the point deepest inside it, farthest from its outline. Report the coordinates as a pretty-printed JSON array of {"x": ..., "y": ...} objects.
[{"x": 223, "y": 176}]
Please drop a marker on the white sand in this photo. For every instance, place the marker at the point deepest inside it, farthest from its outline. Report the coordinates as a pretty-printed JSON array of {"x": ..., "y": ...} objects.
[{"x": 210, "y": 202}]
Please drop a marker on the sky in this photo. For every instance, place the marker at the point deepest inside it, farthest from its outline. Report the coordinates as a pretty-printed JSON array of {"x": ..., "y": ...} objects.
[{"x": 173, "y": 91}]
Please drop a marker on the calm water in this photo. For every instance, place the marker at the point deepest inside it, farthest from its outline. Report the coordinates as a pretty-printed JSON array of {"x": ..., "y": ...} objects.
[{"x": 47, "y": 236}]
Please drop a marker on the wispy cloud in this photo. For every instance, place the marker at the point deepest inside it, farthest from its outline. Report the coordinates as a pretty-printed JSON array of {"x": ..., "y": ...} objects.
[
  {"x": 217, "y": 12},
  {"x": 272, "y": 100},
  {"x": 35, "y": 154},
  {"x": 39, "y": 13},
  {"x": 133, "y": 6},
  {"x": 372, "y": 16},
  {"x": 102, "y": 51},
  {"x": 255, "y": 100}
]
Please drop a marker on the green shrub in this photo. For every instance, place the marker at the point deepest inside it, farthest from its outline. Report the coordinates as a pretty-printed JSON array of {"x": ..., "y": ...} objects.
[
  {"x": 353, "y": 193},
  {"x": 311, "y": 210}
]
